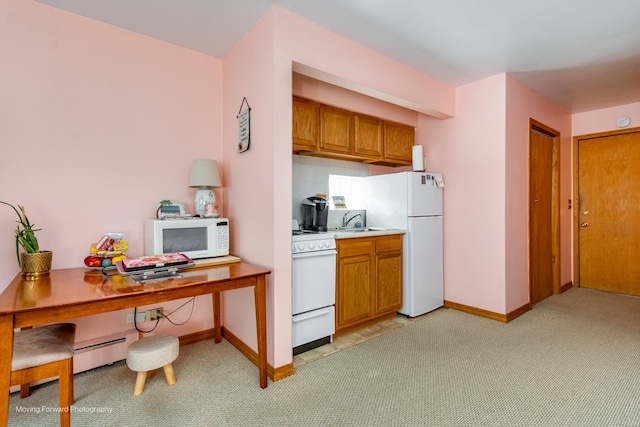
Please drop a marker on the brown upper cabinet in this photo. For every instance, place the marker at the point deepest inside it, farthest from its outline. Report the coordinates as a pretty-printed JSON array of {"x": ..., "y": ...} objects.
[
  {"x": 306, "y": 125},
  {"x": 368, "y": 137},
  {"x": 336, "y": 130},
  {"x": 326, "y": 131},
  {"x": 399, "y": 140}
]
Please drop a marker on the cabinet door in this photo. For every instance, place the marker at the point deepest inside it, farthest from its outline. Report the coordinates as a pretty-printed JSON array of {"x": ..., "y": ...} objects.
[
  {"x": 398, "y": 140},
  {"x": 353, "y": 296},
  {"x": 367, "y": 136},
  {"x": 336, "y": 130},
  {"x": 389, "y": 282},
  {"x": 306, "y": 128},
  {"x": 388, "y": 274}
]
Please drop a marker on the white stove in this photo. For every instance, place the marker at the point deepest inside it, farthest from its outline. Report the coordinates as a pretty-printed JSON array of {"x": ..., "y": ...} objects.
[
  {"x": 313, "y": 289},
  {"x": 312, "y": 242}
]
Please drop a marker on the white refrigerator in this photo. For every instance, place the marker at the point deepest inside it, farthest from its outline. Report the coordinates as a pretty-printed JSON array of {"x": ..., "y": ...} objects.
[{"x": 412, "y": 201}]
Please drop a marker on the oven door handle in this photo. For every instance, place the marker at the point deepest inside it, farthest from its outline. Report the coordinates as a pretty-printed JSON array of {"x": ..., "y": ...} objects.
[
  {"x": 311, "y": 315},
  {"x": 314, "y": 254}
]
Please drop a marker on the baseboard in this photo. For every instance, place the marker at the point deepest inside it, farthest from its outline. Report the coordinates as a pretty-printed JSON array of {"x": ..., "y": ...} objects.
[
  {"x": 275, "y": 374},
  {"x": 566, "y": 287},
  {"x": 518, "y": 312},
  {"x": 488, "y": 314},
  {"x": 197, "y": 337}
]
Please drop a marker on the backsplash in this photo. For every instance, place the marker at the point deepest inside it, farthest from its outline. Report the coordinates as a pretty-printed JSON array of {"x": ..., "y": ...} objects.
[{"x": 311, "y": 177}]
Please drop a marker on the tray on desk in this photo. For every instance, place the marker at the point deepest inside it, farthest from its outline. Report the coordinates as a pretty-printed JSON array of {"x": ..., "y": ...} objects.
[{"x": 153, "y": 264}]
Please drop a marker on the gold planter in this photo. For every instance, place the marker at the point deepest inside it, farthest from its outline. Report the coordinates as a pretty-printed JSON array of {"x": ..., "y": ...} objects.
[{"x": 35, "y": 265}]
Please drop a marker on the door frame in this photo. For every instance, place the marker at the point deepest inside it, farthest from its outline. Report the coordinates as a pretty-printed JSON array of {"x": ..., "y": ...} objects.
[
  {"x": 555, "y": 204},
  {"x": 576, "y": 192}
]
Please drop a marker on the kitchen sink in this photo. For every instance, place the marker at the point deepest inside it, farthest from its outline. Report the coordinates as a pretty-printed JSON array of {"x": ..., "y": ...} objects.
[{"x": 360, "y": 229}]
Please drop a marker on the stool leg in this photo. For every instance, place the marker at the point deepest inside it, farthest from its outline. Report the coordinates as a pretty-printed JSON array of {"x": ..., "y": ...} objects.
[
  {"x": 140, "y": 379},
  {"x": 169, "y": 374},
  {"x": 25, "y": 391}
]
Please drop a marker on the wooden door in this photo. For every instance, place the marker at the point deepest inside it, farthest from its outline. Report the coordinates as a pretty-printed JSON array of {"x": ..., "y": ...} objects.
[
  {"x": 544, "y": 211},
  {"x": 607, "y": 181},
  {"x": 540, "y": 227}
]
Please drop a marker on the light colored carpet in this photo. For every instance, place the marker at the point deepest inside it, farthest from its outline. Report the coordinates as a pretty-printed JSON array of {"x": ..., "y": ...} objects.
[{"x": 574, "y": 360}]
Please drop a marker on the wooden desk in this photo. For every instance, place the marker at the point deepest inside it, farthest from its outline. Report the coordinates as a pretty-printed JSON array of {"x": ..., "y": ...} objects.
[{"x": 77, "y": 292}]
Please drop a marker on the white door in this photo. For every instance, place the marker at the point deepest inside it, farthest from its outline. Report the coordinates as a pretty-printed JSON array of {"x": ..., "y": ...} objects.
[
  {"x": 313, "y": 280},
  {"x": 425, "y": 199},
  {"x": 423, "y": 289}
]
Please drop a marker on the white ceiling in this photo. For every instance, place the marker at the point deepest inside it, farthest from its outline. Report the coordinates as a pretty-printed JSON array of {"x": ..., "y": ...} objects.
[{"x": 582, "y": 54}]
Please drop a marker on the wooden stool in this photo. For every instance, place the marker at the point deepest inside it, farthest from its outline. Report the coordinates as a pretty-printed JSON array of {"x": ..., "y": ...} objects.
[
  {"x": 45, "y": 352},
  {"x": 150, "y": 353}
]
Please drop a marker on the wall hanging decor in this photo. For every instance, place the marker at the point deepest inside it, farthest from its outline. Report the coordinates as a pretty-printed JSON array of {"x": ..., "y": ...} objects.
[{"x": 244, "y": 131}]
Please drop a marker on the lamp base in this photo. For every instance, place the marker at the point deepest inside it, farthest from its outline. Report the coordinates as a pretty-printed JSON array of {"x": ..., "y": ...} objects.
[{"x": 204, "y": 198}]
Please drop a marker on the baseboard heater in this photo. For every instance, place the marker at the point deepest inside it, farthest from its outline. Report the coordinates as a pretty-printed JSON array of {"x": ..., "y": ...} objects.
[{"x": 88, "y": 347}]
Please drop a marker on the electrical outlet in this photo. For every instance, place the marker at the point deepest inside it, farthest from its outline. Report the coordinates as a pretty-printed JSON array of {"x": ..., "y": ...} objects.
[
  {"x": 140, "y": 317},
  {"x": 154, "y": 313}
]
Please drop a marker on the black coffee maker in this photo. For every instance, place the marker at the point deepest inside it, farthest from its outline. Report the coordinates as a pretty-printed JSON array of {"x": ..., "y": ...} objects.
[{"x": 315, "y": 210}]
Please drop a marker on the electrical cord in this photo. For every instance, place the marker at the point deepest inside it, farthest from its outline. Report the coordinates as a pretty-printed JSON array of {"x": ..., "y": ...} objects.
[
  {"x": 165, "y": 316},
  {"x": 160, "y": 315},
  {"x": 135, "y": 323}
]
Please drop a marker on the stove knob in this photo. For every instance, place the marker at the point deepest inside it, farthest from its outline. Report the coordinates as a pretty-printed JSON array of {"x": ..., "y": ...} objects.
[
  {"x": 300, "y": 246},
  {"x": 327, "y": 244},
  {"x": 293, "y": 247},
  {"x": 312, "y": 245}
]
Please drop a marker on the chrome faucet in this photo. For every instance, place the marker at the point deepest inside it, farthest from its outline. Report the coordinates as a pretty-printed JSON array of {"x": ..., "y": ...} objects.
[{"x": 346, "y": 221}]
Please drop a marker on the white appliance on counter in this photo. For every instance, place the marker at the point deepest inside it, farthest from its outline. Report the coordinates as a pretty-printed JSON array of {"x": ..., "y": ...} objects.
[
  {"x": 313, "y": 268},
  {"x": 412, "y": 201}
]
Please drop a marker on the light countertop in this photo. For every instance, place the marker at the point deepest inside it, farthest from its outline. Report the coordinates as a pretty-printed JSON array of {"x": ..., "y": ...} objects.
[{"x": 369, "y": 232}]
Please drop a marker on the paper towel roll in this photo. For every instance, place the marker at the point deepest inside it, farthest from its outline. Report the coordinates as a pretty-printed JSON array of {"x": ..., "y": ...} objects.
[{"x": 418, "y": 158}]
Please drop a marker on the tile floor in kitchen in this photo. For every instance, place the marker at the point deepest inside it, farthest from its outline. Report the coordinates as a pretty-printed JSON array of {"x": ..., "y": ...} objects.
[{"x": 353, "y": 338}]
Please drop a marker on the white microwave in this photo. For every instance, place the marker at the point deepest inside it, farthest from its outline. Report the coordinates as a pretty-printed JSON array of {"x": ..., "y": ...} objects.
[{"x": 196, "y": 237}]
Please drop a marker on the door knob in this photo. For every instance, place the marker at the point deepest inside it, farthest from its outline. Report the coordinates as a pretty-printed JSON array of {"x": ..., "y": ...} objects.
[{"x": 584, "y": 224}]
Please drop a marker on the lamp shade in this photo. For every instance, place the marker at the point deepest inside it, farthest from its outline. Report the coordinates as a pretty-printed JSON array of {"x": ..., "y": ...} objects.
[{"x": 204, "y": 173}]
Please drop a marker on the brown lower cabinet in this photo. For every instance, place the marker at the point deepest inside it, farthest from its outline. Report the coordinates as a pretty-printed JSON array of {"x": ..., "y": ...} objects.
[{"x": 368, "y": 280}]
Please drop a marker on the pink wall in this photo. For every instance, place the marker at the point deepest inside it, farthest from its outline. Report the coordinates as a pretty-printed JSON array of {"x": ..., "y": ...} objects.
[
  {"x": 97, "y": 125},
  {"x": 470, "y": 152},
  {"x": 250, "y": 188},
  {"x": 605, "y": 120},
  {"x": 483, "y": 153},
  {"x": 325, "y": 93}
]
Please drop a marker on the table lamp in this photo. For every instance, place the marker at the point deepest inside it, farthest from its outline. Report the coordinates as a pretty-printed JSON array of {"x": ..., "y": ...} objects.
[{"x": 204, "y": 176}]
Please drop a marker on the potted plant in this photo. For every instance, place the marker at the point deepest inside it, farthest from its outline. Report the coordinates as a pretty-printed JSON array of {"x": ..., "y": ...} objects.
[{"x": 33, "y": 262}]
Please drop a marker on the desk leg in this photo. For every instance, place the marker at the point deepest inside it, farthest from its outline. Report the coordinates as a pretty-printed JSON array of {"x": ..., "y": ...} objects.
[
  {"x": 6, "y": 352},
  {"x": 217, "y": 327},
  {"x": 261, "y": 326}
]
